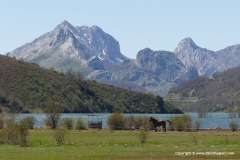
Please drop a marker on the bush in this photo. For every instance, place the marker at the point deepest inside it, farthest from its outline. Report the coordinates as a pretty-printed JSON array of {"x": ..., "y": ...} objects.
[
  {"x": 22, "y": 133},
  {"x": 53, "y": 111},
  {"x": 130, "y": 122},
  {"x": 59, "y": 135},
  {"x": 143, "y": 135},
  {"x": 80, "y": 125},
  {"x": 141, "y": 122},
  {"x": 233, "y": 125},
  {"x": 10, "y": 118},
  {"x": 67, "y": 122},
  {"x": 197, "y": 124},
  {"x": 51, "y": 122},
  {"x": 181, "y": 122},
  {"x": 1, "y": 137},
  {"x": 10, "y": 133},
  {"x": 15, "y": 133},
  {"x": 47, "y": 122},
  {"x": 194, "y": 139},
  {"x": 29, "y": 121},
  {"x": 1, "y": 121},
  {"x": 138, "y": 122},
  {"x": 116, "y": 121}
]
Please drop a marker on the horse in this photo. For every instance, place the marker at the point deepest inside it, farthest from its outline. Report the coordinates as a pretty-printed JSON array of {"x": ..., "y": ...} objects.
[{"x": 157, "y": 123}]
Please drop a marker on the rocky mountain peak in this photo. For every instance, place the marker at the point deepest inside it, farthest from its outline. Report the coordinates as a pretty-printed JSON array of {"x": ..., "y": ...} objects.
[
  {"x": 71, "y": 46},
  {"x": 144, "y": 52},
  {"x": 186, "y": 44},
  {"x": 64, "y": 24},
  {"x": 67, "y": 27},
  {"x": 96, "y": 28},
  {"x": 101, "y": 44}
]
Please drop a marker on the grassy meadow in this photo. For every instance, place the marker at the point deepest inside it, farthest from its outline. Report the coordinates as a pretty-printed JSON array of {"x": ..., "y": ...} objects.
[{"x": 108, "y": 144}]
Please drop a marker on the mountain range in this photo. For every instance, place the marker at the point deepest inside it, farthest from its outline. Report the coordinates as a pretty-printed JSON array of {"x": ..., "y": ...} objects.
[{"x": 97, "y": 55}]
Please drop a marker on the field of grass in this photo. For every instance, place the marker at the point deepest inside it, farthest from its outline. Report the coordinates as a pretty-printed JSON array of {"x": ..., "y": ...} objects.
[{"x": 107, "y": 144}]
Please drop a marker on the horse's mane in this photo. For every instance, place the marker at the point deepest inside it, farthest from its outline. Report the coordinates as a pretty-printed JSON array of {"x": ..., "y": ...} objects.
[{"x": 153, "y": 119}]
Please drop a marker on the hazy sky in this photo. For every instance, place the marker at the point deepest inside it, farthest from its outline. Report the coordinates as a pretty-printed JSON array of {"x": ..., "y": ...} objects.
[{"x": 136, "y": 24}]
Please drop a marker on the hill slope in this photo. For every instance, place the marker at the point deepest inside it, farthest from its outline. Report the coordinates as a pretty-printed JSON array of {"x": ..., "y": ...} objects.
[
  {"x": 26, "y": 87},
  {"x": 217, "y": 94}
]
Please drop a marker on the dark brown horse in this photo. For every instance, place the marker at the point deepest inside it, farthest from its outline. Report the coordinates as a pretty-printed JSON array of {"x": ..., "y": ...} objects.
[{"x": 157, "y": 123}]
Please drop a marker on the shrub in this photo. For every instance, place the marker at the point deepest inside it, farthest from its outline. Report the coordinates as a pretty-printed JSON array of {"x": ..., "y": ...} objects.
[
  {"x": 130, "y": 122},
  {"x": 22, "y": 133},
  {"x": 141, "y": 122},
  {"x": 10, "y": 118},
  {"x": 1, "y": 137},
  {"x": 143, "y": 135},
  {"x": 53, "y": 111},
  {"x": 226, "y": 139},
  {"x": 181, "y": 122},
  {"x": 1, "y": 122},
  {"x": 233, "y": 125},
  {"x": 80, "y": 125},
  {"x": 59, "y": 135},
  {"x": 29, "y": 121},
  {"x": 15, "y": 133},
  {"x": 116, "y": 121},
  {"x": 197, "y": 124},
  {"x": 47, "y": 122},
  {"x": 67, "y": 122},
  {"x": 194, "y": 139},
  {"x": 10, "y": 133}
]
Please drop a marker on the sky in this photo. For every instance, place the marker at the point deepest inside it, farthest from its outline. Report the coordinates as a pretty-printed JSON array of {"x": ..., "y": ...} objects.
[{"x": 135, "y": 24}]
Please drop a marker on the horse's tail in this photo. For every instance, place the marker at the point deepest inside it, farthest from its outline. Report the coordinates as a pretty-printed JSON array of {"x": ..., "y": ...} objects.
[{"x": 170, "y": 122}]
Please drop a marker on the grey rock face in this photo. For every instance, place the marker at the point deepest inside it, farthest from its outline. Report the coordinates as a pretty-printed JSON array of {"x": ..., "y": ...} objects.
[
  {"x": 95, "y": 63},
  {"x": 101, "y": 44},
  {"x": 191, "y": 55},
  {"x": 160, "y": 63},
  {"x": 153, "y": 70},
  {"x": 206, "y": 61},
  {"x": 74, "y": 47},
  {"x": 229, "y": 56}
]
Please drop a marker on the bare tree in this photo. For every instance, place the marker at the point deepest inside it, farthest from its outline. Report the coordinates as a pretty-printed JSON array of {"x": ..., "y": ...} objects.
[{"x": 53, "y": 111}]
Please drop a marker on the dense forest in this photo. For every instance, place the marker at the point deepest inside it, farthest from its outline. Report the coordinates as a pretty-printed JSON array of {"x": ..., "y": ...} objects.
[
  {"x": 25, "y": 88},
  {"x": 221, "y": 92}
]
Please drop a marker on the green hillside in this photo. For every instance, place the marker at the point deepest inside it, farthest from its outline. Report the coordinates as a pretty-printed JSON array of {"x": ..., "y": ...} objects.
[
  {"x": 27, "y": 87},
  {"x": 219, "y": 93}
]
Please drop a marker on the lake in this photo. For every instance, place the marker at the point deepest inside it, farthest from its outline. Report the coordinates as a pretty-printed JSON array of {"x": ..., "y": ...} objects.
[{"x": 212, "y": 121}]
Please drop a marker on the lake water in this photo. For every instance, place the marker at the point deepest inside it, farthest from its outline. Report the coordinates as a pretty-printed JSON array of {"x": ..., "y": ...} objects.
[{"x": 213, "y": 120}]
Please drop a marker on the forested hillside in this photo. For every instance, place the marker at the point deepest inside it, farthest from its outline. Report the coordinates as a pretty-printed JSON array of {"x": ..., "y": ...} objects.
[
  {"x": 26, "y": 87},
  {"x": 221, "y": 92}
]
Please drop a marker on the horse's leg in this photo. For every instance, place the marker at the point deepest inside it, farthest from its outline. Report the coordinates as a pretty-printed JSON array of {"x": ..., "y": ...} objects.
[
  {"x": 155, "y": 129},
  {"x": 164, "y": 128}
]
